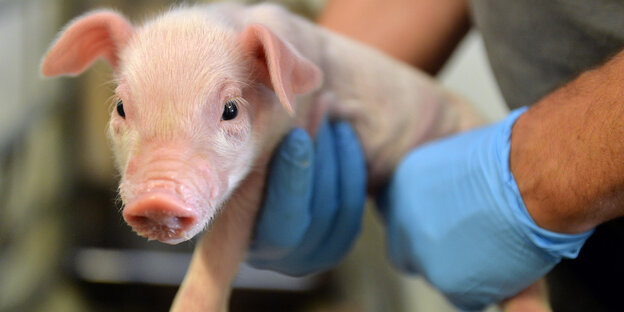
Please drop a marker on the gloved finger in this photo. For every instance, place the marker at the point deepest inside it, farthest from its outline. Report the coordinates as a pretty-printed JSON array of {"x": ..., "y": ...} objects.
[
  {"x": 352, "y": 194},
  {"x": 285, "y": 216},
  {"x": 324, "y": 202},
  {"x": 323, "y": 206}
]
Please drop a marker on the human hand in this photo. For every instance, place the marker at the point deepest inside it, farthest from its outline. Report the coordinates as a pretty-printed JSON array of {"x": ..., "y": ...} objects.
[
  {"x": 313, "y": 203},
  {"x": 455, "y": 215}
]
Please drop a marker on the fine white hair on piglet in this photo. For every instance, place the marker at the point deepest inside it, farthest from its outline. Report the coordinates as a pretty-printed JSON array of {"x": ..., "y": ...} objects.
[{"x": 205, "y": 93}]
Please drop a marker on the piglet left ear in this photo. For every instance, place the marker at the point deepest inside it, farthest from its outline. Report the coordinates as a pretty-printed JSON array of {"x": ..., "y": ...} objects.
[
  {"x": 101, "y": 33},
  {"x": 278, "y": 65}
]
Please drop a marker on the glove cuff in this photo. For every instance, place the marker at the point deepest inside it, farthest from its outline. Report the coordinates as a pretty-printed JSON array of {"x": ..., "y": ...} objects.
[{"x": 555, "y": 244}]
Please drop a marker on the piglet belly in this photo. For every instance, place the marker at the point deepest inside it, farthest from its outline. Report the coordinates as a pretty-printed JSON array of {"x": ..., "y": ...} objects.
[
  {"x": 389, "y": 132},
  {"x": 387, "y": 139}
]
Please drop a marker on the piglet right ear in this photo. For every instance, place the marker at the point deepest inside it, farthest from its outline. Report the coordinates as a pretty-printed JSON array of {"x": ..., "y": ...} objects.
[
  {"x": 97, "y": 34},
  {"x": 278, "y": 65}
]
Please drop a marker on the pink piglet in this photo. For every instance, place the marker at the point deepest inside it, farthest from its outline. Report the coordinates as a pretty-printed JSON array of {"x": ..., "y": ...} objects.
[{"x": 203, "y": 96}]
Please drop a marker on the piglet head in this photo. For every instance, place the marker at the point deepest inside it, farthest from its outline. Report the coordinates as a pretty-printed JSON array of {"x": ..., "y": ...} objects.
[{"x": 195, "y": 98}]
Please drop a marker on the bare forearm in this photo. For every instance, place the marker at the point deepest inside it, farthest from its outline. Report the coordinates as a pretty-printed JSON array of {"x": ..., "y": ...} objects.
[
  {"x": 566, "y": 152},
  {"x": 420, "y": 32}
]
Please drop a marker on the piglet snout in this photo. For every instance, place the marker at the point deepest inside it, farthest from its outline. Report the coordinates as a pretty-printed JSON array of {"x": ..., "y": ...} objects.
[{"x": 161, "y": 216}]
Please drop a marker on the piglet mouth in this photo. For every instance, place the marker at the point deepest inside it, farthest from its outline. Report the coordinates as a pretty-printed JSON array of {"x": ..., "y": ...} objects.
[{"x": 162, "y": 215}]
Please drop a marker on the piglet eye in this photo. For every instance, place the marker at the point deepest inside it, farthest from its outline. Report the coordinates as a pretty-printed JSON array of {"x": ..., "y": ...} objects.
[
  {"x": 230, "y": 110},
  {"x": 120, "y": 109}
]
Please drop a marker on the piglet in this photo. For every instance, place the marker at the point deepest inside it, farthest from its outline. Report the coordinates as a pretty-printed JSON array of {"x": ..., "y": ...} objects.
[{"x": 203, "y": 96}]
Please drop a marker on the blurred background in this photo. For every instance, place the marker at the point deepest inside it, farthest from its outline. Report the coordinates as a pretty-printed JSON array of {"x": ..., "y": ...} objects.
[{"x": 63, "y": 243}]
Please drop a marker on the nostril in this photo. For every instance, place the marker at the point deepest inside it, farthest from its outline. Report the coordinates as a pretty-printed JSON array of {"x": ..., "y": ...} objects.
[
  {"x": 158, "y": 218},
  {"x": 139, "y": 221},
  {"x": 186, "y": 222}
]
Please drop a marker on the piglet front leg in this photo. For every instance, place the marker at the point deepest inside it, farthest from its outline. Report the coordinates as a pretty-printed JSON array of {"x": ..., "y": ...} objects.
[
  {"x": 215, "y": 262},
  {"x": 533, "y": 299}
]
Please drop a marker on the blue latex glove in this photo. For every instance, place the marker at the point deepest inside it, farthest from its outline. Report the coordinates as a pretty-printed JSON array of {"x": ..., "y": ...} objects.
[
  {"x": 313, "y": 204},
  {"x": 455, "y": 215}
]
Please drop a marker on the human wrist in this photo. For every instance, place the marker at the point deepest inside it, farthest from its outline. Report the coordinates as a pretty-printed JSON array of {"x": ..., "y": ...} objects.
[
  {"x": 534, "y": 175},
  {"x": 556, "y": 244},
  {"x": 563, "y": 152}
]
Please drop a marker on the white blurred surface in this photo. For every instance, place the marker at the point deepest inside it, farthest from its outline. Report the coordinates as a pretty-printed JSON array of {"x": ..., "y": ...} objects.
[
  {"x": 469, "y": 74},
  {"x": 25, "y": 28},
  {"x": 10, "y": 73}
]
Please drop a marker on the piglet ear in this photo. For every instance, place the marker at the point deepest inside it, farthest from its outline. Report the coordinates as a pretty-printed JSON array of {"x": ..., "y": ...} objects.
[
  {"x": 97, "y": 34},
  {"x": 278, "y": 65}
]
